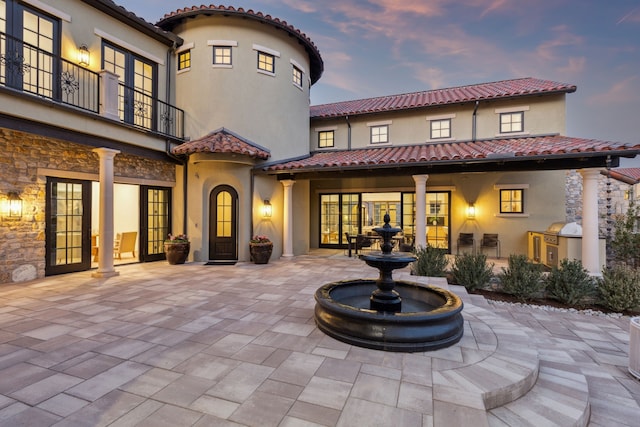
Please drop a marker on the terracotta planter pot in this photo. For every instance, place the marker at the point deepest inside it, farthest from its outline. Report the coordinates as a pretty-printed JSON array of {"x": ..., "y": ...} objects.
[
  {"x": 260, "y": 252},
  {"x": 177, "y": 253}
]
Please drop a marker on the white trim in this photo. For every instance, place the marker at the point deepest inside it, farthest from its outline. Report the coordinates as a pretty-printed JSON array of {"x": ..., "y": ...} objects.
[
  {"x": 221, "y": 65},
  {"x": 515, "y": 109},
  {"x": 437, "y": 140},
  {"x": 50, "y": 10},
  {"x": 103, "y": 34},
  {"x": 380, "y": 123},
  {"x": 266, "y": 50},
  {"x": 184, "y": 47},
  {"x": 300, "y": 88},
  {"x": 325, "y": 129},
  {"x": 297, "y": 65},
  {"x": 510, "y": 186},
  {"x": 86, "y": 176},
  {"x": 512, "y": 215},
  {"x": 441, "y": 117},
  {"x": 510, "y": 134},
  {"x": 266, "y": 73},
  {"x": 232, "y": 43},
  {"x": 184, "y": 70},
  {"x": 429, "y": 189}
]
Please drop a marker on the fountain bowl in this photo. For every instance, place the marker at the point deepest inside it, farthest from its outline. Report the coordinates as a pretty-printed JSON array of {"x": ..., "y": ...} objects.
[{"x": 430, "y": 319}]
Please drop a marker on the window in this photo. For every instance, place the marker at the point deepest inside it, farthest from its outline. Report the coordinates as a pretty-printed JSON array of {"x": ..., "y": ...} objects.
[
  {"x": 222, "y": 55},
  {"x": 511, "y": 201},
  {"x": 440, "y": 128},
  {"x": 184, "y": 60},
  {"x": 297, "y": 76},
  {"x": 325, "y": 138},
  {"x": 137, "y": 76},
  {"x": 379, "y": 134},
  {"x": 266, "y": 62},
  {"x": 512, "y": 122}
]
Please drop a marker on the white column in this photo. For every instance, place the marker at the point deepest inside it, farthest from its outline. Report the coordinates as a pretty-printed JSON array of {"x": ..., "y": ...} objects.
[
  {"x": 421, "y": 210},
  {"x": 590, "y": 234},
  {"x": 109, "y": 95},
  {"x": 287, "y": 225},
  {"x": 105, "y": 227}
]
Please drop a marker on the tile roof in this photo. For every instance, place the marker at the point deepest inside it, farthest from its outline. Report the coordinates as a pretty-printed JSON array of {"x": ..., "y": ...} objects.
[
  {"x": 170, "y": 20},
  {"x": 628, "y": 175},
  {"x": 454, "y": 95},
  {"x": 223, "y": 141},
  {"x": 551, "y": 146}
]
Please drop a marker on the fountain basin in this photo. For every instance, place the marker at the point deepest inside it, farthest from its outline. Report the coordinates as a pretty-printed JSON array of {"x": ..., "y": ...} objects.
[{"x": 430, "y": 319}]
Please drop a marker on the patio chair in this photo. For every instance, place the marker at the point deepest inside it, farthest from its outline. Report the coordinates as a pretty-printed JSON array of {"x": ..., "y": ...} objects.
[
  {"x": 490, "y": 241},
  {"x": 466, "y": 240},
  {"x": 362, "y": 242},
  {"x": 125, "y": 242}
]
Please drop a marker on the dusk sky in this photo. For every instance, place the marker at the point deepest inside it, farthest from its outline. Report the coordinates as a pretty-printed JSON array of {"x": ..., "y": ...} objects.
[{"x": 382, "y": 47}]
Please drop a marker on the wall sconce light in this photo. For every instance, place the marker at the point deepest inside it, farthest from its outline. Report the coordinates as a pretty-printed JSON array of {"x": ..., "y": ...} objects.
[
  {"x": 471, "y": 211},
  {"x": 11, "y": 206},
  {"x": 83, "y": 55},
  {"x": 267, "y": 209}
]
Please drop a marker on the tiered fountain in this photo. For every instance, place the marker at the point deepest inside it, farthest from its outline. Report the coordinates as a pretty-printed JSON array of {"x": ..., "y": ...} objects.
[{"x": 385, "y": 314}]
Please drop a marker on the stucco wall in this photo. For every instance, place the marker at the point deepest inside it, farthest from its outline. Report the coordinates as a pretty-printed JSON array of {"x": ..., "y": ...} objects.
[{"x": 268, "y": 110}]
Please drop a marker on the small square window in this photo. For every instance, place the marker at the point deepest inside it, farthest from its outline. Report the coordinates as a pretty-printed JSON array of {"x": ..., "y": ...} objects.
[
  {"x": 512, "y": 122},
  {"x": 266, "y": 62},
  {"x": 512, "y": 201},
  {"x": 222, "y": 55},
  {"x": 325, "y": 138},
  {"x": 379, "y": 134},
  {"x": 297, "y": 76},
  {"x": 184, "y": 60},
  {"x": 441, "y": 128}
]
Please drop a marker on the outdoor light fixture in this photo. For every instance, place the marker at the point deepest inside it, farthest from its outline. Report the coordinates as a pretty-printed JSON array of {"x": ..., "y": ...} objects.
[
  {"x": 12, "y": 206},
  {"x": 471, "y": 211},
  {"x": 267, "y": 210},
  {"x": 83, "y": 55}
]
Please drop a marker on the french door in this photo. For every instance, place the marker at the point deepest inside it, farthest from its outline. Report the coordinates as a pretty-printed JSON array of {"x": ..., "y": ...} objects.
[
  {"x": 155, "y": 220},
  {"x": 68, "y": 226}
]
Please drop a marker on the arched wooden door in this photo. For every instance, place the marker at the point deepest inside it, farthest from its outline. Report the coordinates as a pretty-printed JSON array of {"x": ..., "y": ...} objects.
[{"x": 223, "y": 223}]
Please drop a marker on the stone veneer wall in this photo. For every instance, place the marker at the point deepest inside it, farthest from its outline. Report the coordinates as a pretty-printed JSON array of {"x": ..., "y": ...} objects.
[
  {"x": 22, "y": 243},
  {"x": 619, "y": 202}
]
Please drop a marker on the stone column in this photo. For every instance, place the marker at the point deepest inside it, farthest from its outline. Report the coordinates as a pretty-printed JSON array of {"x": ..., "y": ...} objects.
[
  {"x": 590, "y": 241},
  {"x": 287, "y": 223},
  {"x": 105, "y": 227},
  {"x": 421, "y": 210}
]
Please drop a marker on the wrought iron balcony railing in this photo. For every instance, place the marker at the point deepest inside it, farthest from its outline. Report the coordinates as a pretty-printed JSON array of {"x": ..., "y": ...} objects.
[{"x": 27, "y": 68}]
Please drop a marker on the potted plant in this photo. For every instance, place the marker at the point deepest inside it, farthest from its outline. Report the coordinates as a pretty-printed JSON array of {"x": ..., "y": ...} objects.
[
  {"x": 260, "y": 248},
  {"x": 176, "y": 248}
]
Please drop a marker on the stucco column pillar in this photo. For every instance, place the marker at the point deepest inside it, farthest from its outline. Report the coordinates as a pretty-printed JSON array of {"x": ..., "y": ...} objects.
[
  {"x": 590, "y": 242},
  {"x": 105, "y": 227},
  {"x": 421, "y": 210},
  {"x": 287, "y": 223}
]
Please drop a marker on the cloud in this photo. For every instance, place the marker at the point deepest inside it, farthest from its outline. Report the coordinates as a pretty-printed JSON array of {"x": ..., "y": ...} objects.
[
  {"x": 633, "y": 16},
  {"x": 301, "y": 5},
  {"x": 618, "y": 93}
]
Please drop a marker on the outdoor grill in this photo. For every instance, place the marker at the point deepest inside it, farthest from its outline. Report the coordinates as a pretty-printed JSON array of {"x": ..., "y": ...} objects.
[
  {"x": 554, "y": 231},
  {"x": 559, "y": 241}
]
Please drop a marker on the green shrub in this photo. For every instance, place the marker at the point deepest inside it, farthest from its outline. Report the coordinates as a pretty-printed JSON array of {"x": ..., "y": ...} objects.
[
  {"x": 431, "y": 262},
  {"x": 472, "y": 271},
  {"x": 570, "y": 283},
  {"x": 522, "y": 279},
  {"x": 625, "y": 243},
  {"x": 619, "y": 288}
]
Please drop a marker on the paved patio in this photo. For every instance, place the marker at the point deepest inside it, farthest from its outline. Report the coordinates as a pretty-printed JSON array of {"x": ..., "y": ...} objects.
[{"x": 200, "y": 345}]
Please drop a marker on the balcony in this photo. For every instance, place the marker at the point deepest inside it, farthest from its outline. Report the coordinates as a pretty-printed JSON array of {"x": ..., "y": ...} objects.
[{"x": 33, "y": 71}]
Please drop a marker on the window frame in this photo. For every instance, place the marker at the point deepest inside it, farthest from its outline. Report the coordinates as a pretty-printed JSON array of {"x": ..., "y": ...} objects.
[
  {"x": 223, "y": 62},
  {"x": 326, "y": 132},
  {"x": 297, "y": 76},
  {"x": 511, "y": 122},
  {"x": 507, "y": 204},
  {"x": 260, "y": 63},
  {"x": 182, "y": 62},
  {"x": 432, "y": 130},
  {"x": 374, "y": 132}
]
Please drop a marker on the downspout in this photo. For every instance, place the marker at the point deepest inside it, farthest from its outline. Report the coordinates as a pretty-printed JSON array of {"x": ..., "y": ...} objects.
[
  {"x": 473, "y": 122},
  {"x": 183, "y": 160},
  {"x": 348, "y": 132}
]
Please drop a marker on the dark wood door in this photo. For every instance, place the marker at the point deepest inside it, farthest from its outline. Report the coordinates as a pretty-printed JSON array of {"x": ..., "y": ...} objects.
[
  {"x": 223, "y": 230},
  {"x": 155, "y": 220},
  {"x": 68, "y": 226}
]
